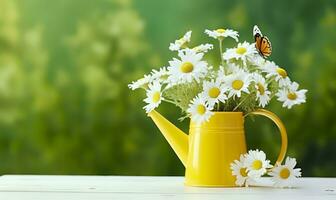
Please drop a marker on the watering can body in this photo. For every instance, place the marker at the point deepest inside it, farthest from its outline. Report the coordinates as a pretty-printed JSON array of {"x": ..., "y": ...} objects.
[{"x": 212, "y": 146}]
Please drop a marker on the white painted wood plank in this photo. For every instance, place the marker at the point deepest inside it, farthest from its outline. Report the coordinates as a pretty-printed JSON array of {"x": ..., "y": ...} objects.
[{"x": 130, "y": 187}]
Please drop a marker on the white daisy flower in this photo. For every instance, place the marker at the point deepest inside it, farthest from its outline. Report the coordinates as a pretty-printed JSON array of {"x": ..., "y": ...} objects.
[
  {"x": 214, "y": 92},
  {"x": 237, "y": 83},
  {"x": 199, "y": 110},
  {"x": 257, "y": 60},
  {"x": 211, "y": 73},
  {"x": 256, "y": 163},
  {"x": 290, "y": 95},
  {"x": 221, "y": 73},
  {"x": 189, "y": 68},
  {"x": 242, "y": 52},
  {"x": 203, "y": 48},
  {"x": 279, "y": 73},
  {"x": 263, "y": 95},
  {"x": 154, "y": 96},
  {"x": 160, "y": 75},
  {"x": 240, "y": 171},
  {"x": 231, "y": 68},
  {"x": 141, "y": 83},
  {"x": 220, "y": 34},
  {"x": 180, "y": 43},
  {"x": 285, "y": 175}
]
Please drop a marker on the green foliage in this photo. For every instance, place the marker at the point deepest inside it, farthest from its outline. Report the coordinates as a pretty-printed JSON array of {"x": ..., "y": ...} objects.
[
  {"x": 182, "y": 94},
  {"x": 247, "y": 104}
]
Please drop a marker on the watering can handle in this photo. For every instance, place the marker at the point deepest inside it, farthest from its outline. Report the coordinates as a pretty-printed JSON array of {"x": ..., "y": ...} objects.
[{"x": 282, "y": 129}]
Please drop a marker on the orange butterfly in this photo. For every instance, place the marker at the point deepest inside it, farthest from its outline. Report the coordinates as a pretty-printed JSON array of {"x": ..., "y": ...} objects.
[{"x": 262, "y": 43}]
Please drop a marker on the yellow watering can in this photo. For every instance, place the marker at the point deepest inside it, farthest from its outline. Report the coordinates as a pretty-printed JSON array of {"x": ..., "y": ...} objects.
[{"x": 211, "y": 147}]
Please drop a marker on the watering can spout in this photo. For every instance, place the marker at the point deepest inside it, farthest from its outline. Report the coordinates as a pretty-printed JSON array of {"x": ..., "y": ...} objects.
[{"x": 176, "y": 138}]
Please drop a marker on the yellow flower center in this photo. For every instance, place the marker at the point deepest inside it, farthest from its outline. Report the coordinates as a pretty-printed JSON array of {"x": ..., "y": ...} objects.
[
  {"x": 156, "y": 97},
  {"x": 214, "y": 92},
  {"x": 282, "y": 72},
  {"x": 241, "y": 50},
  {"x": 292, "y": 96},
  {"x": 261, "y": 89},
  {"x": 284, "y": 173},
  {"x": 257, "y": 164},
  {"x": 237, "y": 84},
  {"x": 187, "y": 67},
  {"x": 201, "y": 109},
  {"x": 243, "y": 172},
  {"x": 220, "y": 30}
]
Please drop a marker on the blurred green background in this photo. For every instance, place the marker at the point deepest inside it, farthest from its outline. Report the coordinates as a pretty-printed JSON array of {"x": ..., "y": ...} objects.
[{"x": 64, "y": 68}]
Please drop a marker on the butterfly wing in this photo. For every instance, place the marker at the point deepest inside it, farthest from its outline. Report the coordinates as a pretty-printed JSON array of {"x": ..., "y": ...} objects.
[
  {"x": 262, "y": 43},
  {"x": 258, "y": 39},
  {"x": 265, "y": 47},
  {"x": 256, "y": 31}
]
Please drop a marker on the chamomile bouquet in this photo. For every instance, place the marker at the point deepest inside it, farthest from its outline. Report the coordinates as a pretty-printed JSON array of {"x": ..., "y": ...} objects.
[{"x": 244, "y": 81}]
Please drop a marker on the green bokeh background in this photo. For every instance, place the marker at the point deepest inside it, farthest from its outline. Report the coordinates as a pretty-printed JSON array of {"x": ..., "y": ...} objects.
[{"x": 64, "y": 68}]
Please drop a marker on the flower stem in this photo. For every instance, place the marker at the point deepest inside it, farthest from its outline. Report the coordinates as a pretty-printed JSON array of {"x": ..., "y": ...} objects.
[
  {"x": 169, "y": 101},
  {"x": 241, "y": 102},
  {"x": 221, "y": 53}
]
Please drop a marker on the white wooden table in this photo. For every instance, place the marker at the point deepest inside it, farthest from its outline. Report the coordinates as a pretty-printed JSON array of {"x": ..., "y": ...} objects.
[{"x": 153, "y": 188}]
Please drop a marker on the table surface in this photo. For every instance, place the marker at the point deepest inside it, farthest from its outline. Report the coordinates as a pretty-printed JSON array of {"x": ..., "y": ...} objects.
[{"x": 149, "y": 187}]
